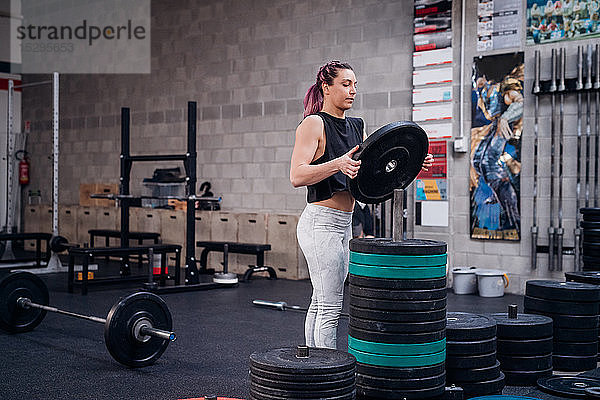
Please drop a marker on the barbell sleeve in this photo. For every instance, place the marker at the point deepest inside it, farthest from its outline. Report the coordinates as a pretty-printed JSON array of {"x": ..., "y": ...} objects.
[{"x": 158, "y": 333}]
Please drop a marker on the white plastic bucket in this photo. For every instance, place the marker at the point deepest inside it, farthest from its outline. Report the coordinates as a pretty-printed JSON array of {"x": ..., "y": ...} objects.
[
  {"x": 464, "y": 280},
  {"x": 491, "y": 282}
]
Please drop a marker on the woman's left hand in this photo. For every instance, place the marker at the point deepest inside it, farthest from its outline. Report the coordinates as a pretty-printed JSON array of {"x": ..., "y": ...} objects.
[{"x": 428, "y": 162}]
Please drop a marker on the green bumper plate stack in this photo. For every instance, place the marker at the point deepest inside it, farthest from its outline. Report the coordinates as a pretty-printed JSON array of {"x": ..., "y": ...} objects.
[{"x": 390, "y": 281}]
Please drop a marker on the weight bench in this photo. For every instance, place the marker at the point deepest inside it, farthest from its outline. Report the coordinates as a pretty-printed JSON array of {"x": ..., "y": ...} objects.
[
  {"x": 38, "y": 237},
  {"x": 112, "y": 233},
  {"x": 88, "y": 254},
  {"x": 239, "y": 248}
]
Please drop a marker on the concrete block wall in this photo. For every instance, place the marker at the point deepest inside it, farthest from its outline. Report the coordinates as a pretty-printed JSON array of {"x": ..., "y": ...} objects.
[{"x": 248, "y": 65}]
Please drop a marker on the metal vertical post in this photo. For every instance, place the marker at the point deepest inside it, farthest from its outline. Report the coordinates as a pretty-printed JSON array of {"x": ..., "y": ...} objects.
[
  {"x": 191, "y": 271},
  {"x": 398, "y": 216},
  {"x": 10, "y": 149},
  {"x": 534, "y": 227},
  {"x": 54, "y": 264}
]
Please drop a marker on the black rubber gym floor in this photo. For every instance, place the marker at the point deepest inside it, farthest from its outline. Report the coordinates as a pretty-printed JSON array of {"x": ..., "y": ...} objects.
[{"x": 217, "y": 330}]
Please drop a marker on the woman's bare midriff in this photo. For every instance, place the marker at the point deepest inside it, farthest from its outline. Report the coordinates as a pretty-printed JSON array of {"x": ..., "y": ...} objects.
[{"x": 340, "y": 201}]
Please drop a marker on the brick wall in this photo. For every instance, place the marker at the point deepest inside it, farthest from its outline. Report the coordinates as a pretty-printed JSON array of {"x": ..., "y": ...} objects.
[{"x": 248, "y": 65}]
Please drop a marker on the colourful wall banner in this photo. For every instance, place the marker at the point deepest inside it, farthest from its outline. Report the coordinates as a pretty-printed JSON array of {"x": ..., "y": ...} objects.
[
  {"x": 433, "y": 184},
  {"x": 554, "y": 21},
  {"x": 496, "y": 128}
]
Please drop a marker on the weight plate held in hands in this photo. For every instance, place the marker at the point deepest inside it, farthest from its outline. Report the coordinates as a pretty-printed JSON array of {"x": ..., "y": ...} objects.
[{"x": 391, "y": 158}]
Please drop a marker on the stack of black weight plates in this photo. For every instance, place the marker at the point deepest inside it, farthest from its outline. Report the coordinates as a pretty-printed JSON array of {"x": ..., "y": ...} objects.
[
  {"x": 471, "y": 354},
  {"x": 591, "y": 277},
  {"x": 573, "y": 307},
  {"x": 524, "y": 347},
  {"x": 398, "y": 318},
  {"x": 288, "y": 373},
  {"x": 591, "y": 238}
]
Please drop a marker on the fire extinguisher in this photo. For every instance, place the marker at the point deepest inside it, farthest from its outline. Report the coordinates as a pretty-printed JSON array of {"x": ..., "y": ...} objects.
[{"x": 23, "y": 158}]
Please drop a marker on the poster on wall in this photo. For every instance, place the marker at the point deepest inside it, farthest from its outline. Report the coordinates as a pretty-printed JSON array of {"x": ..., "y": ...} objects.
[
  {"x": 553, "y": 21},
  {"x": 433, "y": 184},
  {"x": 496, "y": 128}
]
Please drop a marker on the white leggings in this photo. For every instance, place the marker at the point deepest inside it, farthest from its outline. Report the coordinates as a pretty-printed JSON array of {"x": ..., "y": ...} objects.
[{"x": 323, "y": 235}]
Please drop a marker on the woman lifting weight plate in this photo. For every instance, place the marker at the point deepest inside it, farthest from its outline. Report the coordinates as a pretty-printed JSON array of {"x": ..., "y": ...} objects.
[{"x": 322, "y": 158}]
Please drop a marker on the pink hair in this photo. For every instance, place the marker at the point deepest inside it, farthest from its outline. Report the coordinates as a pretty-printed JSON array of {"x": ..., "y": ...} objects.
[{"x": 313, "y": 101}]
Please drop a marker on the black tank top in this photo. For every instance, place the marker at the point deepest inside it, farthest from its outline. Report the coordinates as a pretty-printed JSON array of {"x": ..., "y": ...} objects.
[{"x": 341, "y": 135}]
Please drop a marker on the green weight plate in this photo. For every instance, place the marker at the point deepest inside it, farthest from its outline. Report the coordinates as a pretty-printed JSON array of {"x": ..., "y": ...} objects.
[
  {"x": 408, "y": 247},
  {"x": 397, "y": 361},
  {"x": 398, "y": 273},
  {"x": 387, "y": 260},
  {"x": 13, "y": 318},
  {"x": 396, "y": 349}
]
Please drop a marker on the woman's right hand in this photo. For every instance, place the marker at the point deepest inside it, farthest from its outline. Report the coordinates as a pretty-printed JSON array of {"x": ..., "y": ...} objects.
[{"x": 347, "y": 165}]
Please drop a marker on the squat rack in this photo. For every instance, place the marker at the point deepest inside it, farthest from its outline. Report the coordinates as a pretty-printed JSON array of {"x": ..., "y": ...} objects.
[
  {"x": 54, "y": 263},
  {"x": 192, "y": 281}
]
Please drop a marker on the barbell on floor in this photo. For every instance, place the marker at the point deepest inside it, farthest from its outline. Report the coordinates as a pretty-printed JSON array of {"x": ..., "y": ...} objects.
[{"x": 137, "y": 329}]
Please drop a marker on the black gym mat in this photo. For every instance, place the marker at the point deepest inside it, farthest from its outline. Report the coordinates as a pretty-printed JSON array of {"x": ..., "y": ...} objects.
[{"x": 217, "y": 330}]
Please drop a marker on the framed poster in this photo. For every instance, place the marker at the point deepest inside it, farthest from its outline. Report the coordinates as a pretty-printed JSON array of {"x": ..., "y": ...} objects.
[
  {"x": 496, "y": 128},
  {"x": 553, "y": 21}
]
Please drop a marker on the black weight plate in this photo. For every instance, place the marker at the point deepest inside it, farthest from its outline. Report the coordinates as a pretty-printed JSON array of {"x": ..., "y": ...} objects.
[
  {"x": 595, "y": 211},
  {"x": 562, "y": 291},
  {"x": 400, "y": 384},
  {"x": 400, "y": 373},
  {"x": 394, "y": 316},
  {"x": 397, "y": 327},
  {"x": 560, "y": 307},
  {"x": 372, "y": 393},
  {"x": 462, "y": 326},
  {"x": 470, "y": 361},
  {"x": 398, "y": 338},
  {"x": 591, "y": 235},
  {"x": 398, "y": 295},
  {"x": 583, "y": 349},
  {"x": 575, "y": 335},
  {"x": 320, "y": 360},
  {"x": 591, "y": 218},
  {"x": 409, "y": 247},
  {"x": 472, "y": 389},
  {"x": 592, "y": 392},
  {"x": 118, "y": 329},
  {"x": 591, "y": 277},
  {"x": 525, "y": 326},
  {"x": 308, "y": 393},
  {"x": 509, "y": 362},
  {"x": 304, "y": 378},
  {"x": 397, "y": 284},
  {"x": 254, "y": 395},
  {"x": 525, "y": 378},
  {"x": 567, "y": 386},
  {"x": 590, "y": 225},
  {"x": 375, "y": 304},
  {"x": 301, "y": 386},
  {"x": 474, "y": 374},
  {"x": 591, "y": 249},
  {"x": 391, "y": 158},
  {"x": 574, "y": 363},
  {"x": 473, "y": 347},
  {"x": 521, "y": 347},
  {"x": 568, "y": 321},
  {"x": 13, "y": 318}
]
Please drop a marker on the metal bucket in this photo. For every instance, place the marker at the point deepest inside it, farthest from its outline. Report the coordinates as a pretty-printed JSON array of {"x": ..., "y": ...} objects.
[
  {"x": 491, "y": 282},
  {"x": 464, "y": 280}
]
